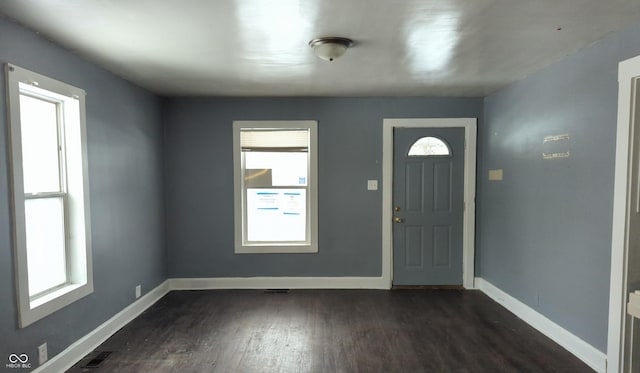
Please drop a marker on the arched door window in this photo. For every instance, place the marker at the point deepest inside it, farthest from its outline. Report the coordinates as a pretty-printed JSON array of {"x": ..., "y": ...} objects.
[{"x": 429, "y": 146}]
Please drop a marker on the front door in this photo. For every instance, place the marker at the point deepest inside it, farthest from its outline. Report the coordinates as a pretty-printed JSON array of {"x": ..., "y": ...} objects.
[{"x": 428, "y": 203}]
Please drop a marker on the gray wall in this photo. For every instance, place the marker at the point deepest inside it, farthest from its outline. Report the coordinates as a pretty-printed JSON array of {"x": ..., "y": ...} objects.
[
  {"x": 544, "y": 232},
  {"x": 199, "y": 181},
  {"x": 125, "y": 176}
]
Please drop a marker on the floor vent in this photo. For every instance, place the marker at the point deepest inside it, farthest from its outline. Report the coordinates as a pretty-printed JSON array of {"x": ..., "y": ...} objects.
[
  {"x": 276, "y": 291},
  {"x": 98, "y": 360}
]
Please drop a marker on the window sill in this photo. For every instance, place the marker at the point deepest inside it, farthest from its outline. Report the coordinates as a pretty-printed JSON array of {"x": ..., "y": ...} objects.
[
  {"x": 31, "y": 311},
  {"x": 53, "y": 295},
  {"x": 265, "y": 249}
]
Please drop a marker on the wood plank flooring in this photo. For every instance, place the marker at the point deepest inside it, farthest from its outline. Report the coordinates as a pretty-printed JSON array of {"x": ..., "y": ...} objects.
[{"x": 330, "y": 331}]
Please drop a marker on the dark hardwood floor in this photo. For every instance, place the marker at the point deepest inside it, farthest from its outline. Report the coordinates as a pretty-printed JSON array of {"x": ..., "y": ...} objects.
[{"x": 329, "y": 331}]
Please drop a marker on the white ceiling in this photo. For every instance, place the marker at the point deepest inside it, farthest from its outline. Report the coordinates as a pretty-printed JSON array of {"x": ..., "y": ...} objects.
[{"x": 259, "y": 47}]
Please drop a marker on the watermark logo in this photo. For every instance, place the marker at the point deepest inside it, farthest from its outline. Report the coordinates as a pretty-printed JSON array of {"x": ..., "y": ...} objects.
[{"x": 18, "y": 361}]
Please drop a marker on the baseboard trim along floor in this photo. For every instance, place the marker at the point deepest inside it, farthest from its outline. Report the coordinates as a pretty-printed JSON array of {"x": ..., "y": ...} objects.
[
  {"x": 572, "y": 343},
  {"x": 74, "y": 353},
  {"x": 279, "y": 283}
]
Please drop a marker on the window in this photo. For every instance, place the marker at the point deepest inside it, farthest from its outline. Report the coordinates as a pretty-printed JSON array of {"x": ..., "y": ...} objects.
[
  {"x": 52, "y": 240},
  {"x": 429, "y": 146},
  {"x": 275, "y": 175}
]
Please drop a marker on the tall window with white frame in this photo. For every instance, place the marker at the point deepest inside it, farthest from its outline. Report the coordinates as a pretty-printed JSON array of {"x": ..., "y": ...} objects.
[
  {"x": 44, "y": 180},
  {"x": 50, "y": 193},
  {"x": 275, "y": 186}
]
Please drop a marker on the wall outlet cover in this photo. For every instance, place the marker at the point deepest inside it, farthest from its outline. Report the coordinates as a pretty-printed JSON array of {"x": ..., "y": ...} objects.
[
  {"x": 138, "y": 291},
  {"x": 42, "y": 354}
]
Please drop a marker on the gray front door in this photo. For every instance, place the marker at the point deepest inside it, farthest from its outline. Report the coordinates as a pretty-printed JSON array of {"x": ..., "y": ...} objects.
[{"x": 428, "y": 203}]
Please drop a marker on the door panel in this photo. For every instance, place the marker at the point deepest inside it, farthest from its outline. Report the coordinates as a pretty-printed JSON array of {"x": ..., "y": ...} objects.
[
  {"x": 414, "y": 188},
  {"x": 441, "y": 246},
  {"x": 428, "y": 191},
  {"x": 413, "y": 246},
  {"x": 442, "y": 187}
]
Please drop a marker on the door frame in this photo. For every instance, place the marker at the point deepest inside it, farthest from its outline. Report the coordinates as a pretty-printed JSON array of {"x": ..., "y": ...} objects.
[
  {"x": 628, "y": 70},
  {"x": 469, "y": 216}
]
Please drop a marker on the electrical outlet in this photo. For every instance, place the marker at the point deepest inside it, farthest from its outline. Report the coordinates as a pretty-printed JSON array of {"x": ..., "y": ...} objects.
[
  {"x": 372, "y": 184},
  {"x": 138, "y": 291},
  {"x": 42, "y": 354}
]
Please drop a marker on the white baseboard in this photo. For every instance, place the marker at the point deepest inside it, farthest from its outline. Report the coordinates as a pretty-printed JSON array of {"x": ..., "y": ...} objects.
[
  {"x": 572, "y": 343},
  {"x": 279, "y": 283},
  {"x": 74, "y": 353}
]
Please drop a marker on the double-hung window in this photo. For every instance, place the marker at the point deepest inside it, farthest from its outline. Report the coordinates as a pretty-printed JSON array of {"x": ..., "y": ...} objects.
[
  {"x": 50, "y": 193},
  {"x": 275, "y": 174}
]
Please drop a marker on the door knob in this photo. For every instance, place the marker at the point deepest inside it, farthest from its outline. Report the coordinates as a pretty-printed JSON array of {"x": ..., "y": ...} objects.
[{"x": 398, "y": 220}]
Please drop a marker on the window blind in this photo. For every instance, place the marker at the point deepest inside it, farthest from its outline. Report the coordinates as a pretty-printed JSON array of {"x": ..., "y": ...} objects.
[{"x": 296, "y": 140}]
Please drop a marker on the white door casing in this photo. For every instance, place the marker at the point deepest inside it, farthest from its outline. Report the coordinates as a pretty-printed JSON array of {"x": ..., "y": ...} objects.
[
  {"x": 470, "y": 126},
  {"x": 628, "y": 71}
]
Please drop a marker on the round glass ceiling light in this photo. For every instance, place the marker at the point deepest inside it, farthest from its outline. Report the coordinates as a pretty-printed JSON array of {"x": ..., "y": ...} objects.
[{"x": 330, "y": 48}]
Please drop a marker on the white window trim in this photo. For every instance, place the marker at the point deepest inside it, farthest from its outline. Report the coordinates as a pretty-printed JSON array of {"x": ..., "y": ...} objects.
[
  {"x": 312, "y": 189},
  {"x": 80, "y": 283}
]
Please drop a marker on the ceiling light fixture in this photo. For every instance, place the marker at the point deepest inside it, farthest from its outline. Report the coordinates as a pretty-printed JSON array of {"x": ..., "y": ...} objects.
[{"x": 330, "y": 48}]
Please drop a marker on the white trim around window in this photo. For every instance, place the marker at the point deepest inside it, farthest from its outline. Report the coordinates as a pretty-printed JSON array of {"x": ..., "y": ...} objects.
[
  {"x": 71, "y": 191},
  {"x": 257, "y": 232}
]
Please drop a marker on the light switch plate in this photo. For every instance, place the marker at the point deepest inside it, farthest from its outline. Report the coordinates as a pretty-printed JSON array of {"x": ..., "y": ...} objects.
[{"x": 372, "y": 184}]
